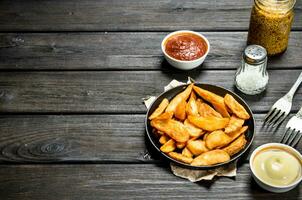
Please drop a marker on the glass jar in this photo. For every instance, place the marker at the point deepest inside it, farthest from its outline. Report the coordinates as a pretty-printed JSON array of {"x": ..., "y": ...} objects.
[
  {"x": 251, "y": 77},
  {"x": 270, "y": 24}
]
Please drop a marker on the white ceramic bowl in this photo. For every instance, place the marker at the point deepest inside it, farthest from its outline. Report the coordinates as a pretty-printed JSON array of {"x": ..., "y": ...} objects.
[
  {"x": 270, "y": 187},
  {"x": 183, "y": 64}
]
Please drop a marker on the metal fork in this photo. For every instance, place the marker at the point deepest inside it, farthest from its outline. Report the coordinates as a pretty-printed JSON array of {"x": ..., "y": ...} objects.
[
  {"x": 293, "y": 132},
  {"x": 282, "y": 107}
]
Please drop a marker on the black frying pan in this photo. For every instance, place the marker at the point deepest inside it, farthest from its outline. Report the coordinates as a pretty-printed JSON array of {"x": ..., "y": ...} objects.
[{"x": 217, "y": 90}]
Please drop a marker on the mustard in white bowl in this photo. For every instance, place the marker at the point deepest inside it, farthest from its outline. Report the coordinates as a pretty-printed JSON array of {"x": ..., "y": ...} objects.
[{"x": 276, "y": 167}]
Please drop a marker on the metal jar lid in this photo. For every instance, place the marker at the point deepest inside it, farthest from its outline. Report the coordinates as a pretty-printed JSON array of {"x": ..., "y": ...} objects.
[{"x": 254, "y": 54}]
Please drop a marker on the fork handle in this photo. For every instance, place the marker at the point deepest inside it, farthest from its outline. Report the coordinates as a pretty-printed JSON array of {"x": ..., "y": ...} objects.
[{"x": 294, "y": 88}]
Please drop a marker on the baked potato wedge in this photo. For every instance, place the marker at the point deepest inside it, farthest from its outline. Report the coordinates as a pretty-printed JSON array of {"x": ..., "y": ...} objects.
[
  {"x": 217, "y": 139},
  {"x": 183, "y": 96},
  {"x": 163, "y": 139},
  {"x": 164, "y": 116},
  {"x": 186, "y": 152},
  {"x": 234, "y": 135},
  {"x": 160, "y": 109},
  {"x": 191, "y": 107},
  {"x": 211, "y": 158},
  {"x": 235, "y": 124},
  {"x": 174, "y": 129},
  {"x": 204, "y": 110},
  {"x": 197, "y": 147},
  {"x": 193, "y": 130},
  {"x": 180, "y": 111},
  {"x": 180, "y": 157},
  {"x": 236, "y": 107},
  {"x": 236, "y": 146},
  {"x": 168, "y": 146},
  {"x": 209, "y": 123},
  {"x": 216, "y": 100}
]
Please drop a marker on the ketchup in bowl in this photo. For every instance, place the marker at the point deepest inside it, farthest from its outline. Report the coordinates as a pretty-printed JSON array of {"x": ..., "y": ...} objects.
[{"x": 185, "y": 46}]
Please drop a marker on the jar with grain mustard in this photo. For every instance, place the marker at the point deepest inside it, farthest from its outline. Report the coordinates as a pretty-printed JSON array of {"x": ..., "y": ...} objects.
[{"x": 270, "y": 24}]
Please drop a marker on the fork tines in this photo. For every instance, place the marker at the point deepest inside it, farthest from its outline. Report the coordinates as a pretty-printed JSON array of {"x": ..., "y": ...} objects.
[
  {"x": 291, "y": 137},
  {"x": 275, "y": 117}
]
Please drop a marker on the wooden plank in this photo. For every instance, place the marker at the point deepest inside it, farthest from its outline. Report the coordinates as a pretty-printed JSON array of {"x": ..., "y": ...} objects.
[
  {"x": 124, "y": 182},
  {"x": 116, "y": 15},
  {"x": 127, "y": 50},
  {"x": 88, "y": 138},
  {"x": 118, "y": 92}
]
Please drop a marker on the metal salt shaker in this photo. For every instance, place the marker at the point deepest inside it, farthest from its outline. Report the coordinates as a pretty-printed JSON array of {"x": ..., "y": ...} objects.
[{"x": 252, "y": 77}]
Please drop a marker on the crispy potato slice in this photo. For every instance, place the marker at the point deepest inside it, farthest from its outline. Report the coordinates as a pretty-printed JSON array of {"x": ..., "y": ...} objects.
[
  {"x": 164, "y": 116},
  {"x": 180, "y": 111},
  {"x": 168, "y": 146},
  {"x": 191, "y": 107},
  {"x": 236, "y": 146},
  {"x": 211, "y": 158},
  {"x": 193, "y": 130},
  {"x": 235, "y": 124},
  {"x": 163, "y": 139},
  {"x": 186, "y": 152},
  {"x": 217, "y": 139},
  {"x": 236, "y": 134},
  {"x": 180, "y": 145},
  {"x": 209, "y": 123},
  {"x": 180, "y": 157},
  {"x": 183, "y": 96},
  {"x": 205, "y": 110},
  {"x": 235, "y": 107},
  {"x": 174, "y": 129},
  {"x": 216, "y": 100},
  {"x": 197, "y": 147},
  {"x": 160, "y": 109}
]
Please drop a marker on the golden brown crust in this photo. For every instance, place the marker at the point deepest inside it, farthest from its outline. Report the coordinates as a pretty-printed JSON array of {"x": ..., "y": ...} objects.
[
  {"x": 197, "y": 147},
  {"x": 160, "y": 109},
  {"x": 174, "y": 129},
  {"x": 180, "y": 157},
  {"x": 236, "y": 107},
  {"x": 235, "y": 124},
  {"x": 211, "y": 158},
  {"x": 217, "y": 139},
  {"x": 168, "y": 146},
  {"x": 209, "y": 123},
  {"x": 236, "y": 146},
  {"x": 216, "y": 100},
  {"x": 183, "y": 96}
]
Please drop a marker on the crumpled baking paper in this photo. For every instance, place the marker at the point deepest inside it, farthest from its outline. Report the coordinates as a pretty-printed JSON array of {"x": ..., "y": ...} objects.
[{"x": 192, "y": 174}]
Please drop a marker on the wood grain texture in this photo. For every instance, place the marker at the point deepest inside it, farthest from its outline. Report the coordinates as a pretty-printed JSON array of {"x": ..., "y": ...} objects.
[
  {"x": 142, "y": 181},
  {"x": 93, "y": 15},
  {"x": 118, "y": 92},
  {"x": 89, "y": 138},
  {"x": 121, "y": 51}
]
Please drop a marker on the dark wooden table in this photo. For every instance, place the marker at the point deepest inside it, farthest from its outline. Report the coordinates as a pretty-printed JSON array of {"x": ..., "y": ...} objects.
[{"x": 73, "y": 75}]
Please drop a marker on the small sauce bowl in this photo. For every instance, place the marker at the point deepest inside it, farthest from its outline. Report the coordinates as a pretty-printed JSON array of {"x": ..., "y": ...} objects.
[
  {"x": 185, "y": 64},
  {"x": 264, "y": 184}
]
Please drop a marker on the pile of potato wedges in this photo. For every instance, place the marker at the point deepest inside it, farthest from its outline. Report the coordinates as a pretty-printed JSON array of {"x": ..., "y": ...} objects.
[{"x": 199, "y": 127}]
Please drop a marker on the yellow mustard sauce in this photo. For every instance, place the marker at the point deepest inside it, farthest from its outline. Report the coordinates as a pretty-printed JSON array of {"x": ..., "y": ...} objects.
[
  {"x": 270, "y": 28},
  {"x": 277, "y": 167}
]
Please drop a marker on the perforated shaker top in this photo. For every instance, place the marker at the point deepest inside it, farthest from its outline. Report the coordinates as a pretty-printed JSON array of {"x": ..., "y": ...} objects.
[{"x": 254, "y": 54}]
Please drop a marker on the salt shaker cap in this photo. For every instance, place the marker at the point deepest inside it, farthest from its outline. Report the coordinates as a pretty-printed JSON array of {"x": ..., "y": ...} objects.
[{"x": 254, "y": 54}]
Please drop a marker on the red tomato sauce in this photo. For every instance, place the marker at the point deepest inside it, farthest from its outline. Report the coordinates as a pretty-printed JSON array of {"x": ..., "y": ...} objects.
[{"x": 185, "y": 46}]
